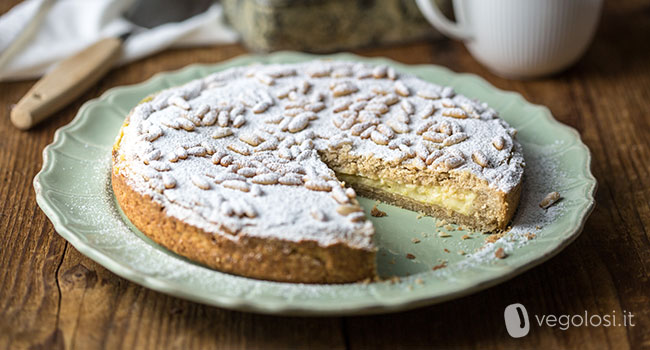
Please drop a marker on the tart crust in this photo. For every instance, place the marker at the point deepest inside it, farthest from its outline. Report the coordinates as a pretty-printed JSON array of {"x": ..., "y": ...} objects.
[
  {"x": 267, "y": 259},
  {"x": 491, "y": 209},
  {"x": 259, "y": 197}
]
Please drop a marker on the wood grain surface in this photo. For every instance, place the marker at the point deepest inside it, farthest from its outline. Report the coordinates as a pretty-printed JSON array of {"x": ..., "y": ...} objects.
[{"x": 53, "y": 297}]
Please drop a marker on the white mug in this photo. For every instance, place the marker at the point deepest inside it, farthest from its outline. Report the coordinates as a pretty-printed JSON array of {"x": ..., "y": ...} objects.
[{"x": 520, "y": 38}]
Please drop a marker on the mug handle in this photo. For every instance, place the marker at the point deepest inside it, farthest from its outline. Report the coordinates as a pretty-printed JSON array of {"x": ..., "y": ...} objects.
[{"x": 433, "y": 14}]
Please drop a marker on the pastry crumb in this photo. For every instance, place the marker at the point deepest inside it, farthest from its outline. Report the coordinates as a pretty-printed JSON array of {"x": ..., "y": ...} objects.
[
  {"x": 442, "y": 265},
  {"x": 410, "y": 256},
  {"x": 376, "y": 212},
  {"x": 461, "y": 252},
  {"x": 549, "y": 200},
  {"x": 500, "y": 253},
  {"x": 419, "y": 281},
  {"x": 464, "y": 237},
  {"x": 415, "y": 240},
  {"x": 443, "y": 234},
  {"x": 446, "y": 250},
  {"x": 530, "y": 235},
  {"x": 494, "y": 237}
]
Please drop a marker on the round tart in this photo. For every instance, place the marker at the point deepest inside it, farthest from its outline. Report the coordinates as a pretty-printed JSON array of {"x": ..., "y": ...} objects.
[{"x": 248, "y": 170}]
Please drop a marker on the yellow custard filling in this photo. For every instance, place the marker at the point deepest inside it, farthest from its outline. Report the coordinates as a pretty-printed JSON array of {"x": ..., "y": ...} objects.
[{"x": 457, "y": 200}]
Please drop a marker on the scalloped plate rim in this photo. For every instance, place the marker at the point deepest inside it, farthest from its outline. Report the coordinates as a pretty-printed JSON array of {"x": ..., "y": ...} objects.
[{"x": 373, "y": 305}]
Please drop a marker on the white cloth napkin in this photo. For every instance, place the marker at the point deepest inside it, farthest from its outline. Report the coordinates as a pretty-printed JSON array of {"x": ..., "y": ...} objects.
[{"x": 71, "y": 25}]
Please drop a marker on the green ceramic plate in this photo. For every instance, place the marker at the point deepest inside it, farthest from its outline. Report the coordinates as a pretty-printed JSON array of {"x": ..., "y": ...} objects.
[{"x": 73, "y": 189}]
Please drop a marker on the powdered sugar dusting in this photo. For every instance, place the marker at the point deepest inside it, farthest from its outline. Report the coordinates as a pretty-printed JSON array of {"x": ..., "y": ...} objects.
[
  {"x": 111, "y": 234},
  {"x": 528, "y": 224},
  {"x": 250, "y": 122},
  {"x": 88, "y": 217}
]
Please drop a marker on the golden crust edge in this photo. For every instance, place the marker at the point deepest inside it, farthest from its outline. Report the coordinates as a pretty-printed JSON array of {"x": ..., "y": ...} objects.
[{"x": 254, "y": 257}]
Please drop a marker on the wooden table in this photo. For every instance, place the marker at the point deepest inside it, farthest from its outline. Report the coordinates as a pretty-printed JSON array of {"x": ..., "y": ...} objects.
[{"x": 51, "y": 296}]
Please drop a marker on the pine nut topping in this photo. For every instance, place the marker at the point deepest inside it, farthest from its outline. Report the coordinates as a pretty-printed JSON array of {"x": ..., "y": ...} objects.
[
  {"x": 221, "y": 177},
  {"x": 159, "y": 166},
  {"x": 379, "y": 72},
  {"x": 479, "y": 158},
  {"x": 266, "y": 179},
  {"x": 427, "y": 111},
  {"x": 339, "y": 195},
  {"x": 318, "y": 185},
  {"x": 379, "y": 138},
  {"x": 454, "y": 113},
  {"x": 455, "y": 138},
  {"x": 198, "y": 151},
  {"x": 549, "y": 200},
  {"x": 247, "y": 172},
  {"x": 291, "y": 179},
  {"x": 179, "y": 102},
  {"x": 223, "y": 119},
  {"x": 402, "y": 89},
  {"x": 434, "y": 137},
  {"x": 200, "y": 182},
  {"x": 251, "y": 139},
  {"x": 498, "y": 143},
  {"x": 238, "y": 121},
  {"x": 348, "y": 209},
  {"x": 209, "y": 118},
  {"x": 453, "y": 162},
  {"x": 168, "y": 181},
  {"x": 236, "y": 185},
  {"x": 344, "y": 88},
  {"x": 341, "y": 105},
  {"x": 261, "y": 107},
  {"x": 397, "y": 126},
  {"x": 221, "y": 132},
  {"x": 433, "y": 156},
  {"x": 428, "y": 94},
  {"x": 239, "y": 148}
]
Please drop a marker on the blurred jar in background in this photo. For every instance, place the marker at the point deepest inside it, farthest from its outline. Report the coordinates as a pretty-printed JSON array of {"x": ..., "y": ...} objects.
[{"x": 327, "y": 25}]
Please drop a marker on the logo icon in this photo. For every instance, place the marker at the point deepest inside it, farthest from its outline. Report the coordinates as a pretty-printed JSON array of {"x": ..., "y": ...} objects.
[{"x": 516, "y": 318}]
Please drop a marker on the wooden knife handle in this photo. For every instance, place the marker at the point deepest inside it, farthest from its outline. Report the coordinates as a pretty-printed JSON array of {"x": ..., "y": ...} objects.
[{"x": 65, "y": 82}]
